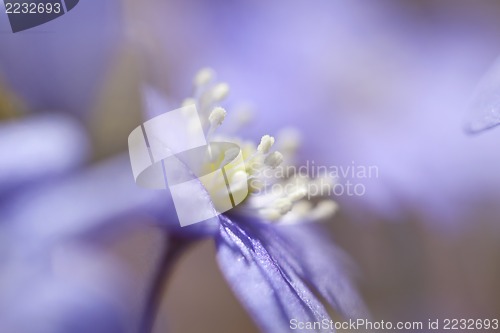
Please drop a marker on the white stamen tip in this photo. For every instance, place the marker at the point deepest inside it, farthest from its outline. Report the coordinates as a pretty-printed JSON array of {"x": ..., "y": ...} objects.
[
  {"x": 203, "y": 77},
  {"x": 240, "y": 177},
  {"x": 274, "y": 159},
  {"x": 325, "y": 209},
  {"x": 266, "y": 143},
  {"x": 297, "y": 194},
  {"x": 283, "y": 205},
  {"x": 217, "y": 116},
  {"x": 302, "y": 208},
  {"x": 220, "y": 91},
  {"x": 271, "y": 214}
]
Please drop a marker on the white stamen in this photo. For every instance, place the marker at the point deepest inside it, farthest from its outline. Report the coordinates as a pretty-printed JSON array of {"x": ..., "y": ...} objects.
[
  {"x": 239, "y": 178},
  {"x": 217, "y": 116},
  {"x": 219, "y": 92},
  {"x": 322, "y": 184},
  {"x": 274, "y": 159},
  {"x": 265, "y": 145},
  {"x": 203, "y": 77},
  {"x": 297, "y": 194},
  {"x": 324, "y": 210},
  {"x": 302, "y": 208},
  {"x": 283, "y": 205},
  {"x": 287, "y": 202},
  {"x": 271, "y": 214}
]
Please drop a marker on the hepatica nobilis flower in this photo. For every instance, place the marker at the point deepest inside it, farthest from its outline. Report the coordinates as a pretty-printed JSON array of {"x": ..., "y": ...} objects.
[{"x": 280, "y": 264}]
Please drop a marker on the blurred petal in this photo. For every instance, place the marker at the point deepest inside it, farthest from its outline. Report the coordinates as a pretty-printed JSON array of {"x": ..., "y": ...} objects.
[
  {"x": 37, "y": 147},
  {"x": 68, "y": 291},
  {"x": 269, "y": 288},
  {"x": 484, "y": 109},
  {"x": 59, "y": 65},
  {"x": 91, "y": 199},
  {"x": 325, "y": 267},
  {"x": 56, "y": 307}
]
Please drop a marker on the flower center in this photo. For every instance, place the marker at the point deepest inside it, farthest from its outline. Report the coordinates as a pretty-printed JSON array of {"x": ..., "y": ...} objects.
[{"x": 275, "y": 195}]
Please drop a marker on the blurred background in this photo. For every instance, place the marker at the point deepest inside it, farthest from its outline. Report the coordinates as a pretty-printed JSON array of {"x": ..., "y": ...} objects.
[{"x": 381, "y": 83}]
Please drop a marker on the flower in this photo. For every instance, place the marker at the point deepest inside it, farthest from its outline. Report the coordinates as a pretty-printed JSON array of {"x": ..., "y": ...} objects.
[
  {"x": 48, "y": 283},
  {"x": 274, "y": 195},
  {"x": 279, "y": 273},
  {"x": 277, "y": 262},
  {"x": 375, "y": 97},
  {"x": 64, "y": 290}
]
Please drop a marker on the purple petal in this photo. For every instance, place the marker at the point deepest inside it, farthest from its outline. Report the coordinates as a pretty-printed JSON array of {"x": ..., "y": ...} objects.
[
  {"x": 269, "y": 288},
  {"x": 72, "y": 289},
  {"x": 57, "y": 307},
  {"x": 37, "y": 148},
  {"x": 484, "y": 109},
  {"x": 91, "y": 199},
  {"x": 309, "y": 250}
]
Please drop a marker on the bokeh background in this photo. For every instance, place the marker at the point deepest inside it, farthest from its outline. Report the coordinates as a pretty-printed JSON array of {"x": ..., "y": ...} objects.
[{"x": 382, "y": 83}]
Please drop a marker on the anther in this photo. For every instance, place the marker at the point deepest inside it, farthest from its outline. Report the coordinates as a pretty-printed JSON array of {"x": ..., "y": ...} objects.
[{"x": 265, "y": 145}]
